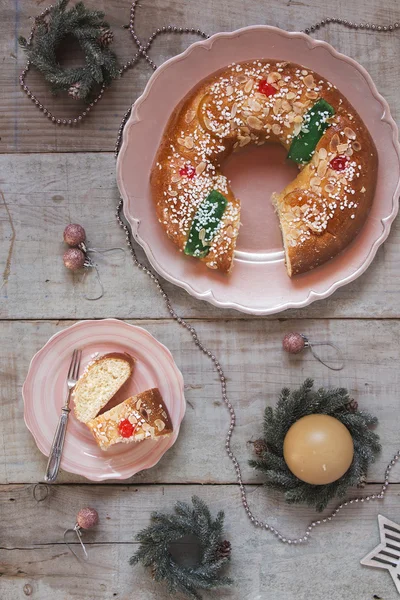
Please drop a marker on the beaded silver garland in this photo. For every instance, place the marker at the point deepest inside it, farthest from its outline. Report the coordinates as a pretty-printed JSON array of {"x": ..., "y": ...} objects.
[{"x": 143, "y": 53}]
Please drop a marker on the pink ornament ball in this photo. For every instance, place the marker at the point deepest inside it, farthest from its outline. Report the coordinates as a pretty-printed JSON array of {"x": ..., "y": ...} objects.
[
  {"x": 74, "y": 259},
  {"x": 293, "y": 343},
  {"x": 74, "y": 234},
  {"x": 87, "y": 518}
]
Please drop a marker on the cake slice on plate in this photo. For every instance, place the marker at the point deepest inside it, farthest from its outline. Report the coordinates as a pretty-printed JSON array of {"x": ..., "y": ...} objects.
[
  {"x": 140, "y": 417},
  {"x": 99, "y": 382}
]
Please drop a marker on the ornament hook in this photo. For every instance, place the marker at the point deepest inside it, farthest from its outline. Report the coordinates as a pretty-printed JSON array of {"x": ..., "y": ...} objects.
[
  {"x": 308, "y": 344},
  {"x": 89, "y": 264},
  {"x": 77, "y": 530}
]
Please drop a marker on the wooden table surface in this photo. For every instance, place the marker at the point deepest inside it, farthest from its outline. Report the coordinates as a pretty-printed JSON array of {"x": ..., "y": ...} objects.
[{"x": 51, "y": 176}]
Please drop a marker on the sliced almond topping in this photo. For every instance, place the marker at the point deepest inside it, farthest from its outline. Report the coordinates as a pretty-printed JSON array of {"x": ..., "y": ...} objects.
[
  {"x": 335, "y": 141},
  {"x": 304, "y": 72},
  {"x": 202, "y": 234},
  {"x": 235, "y": 145},
  {"x": 322, "y": 153},
  {"x": 212, "y": 265},
  {"x": 159, "y": 424},
  {"x": 297, "y": 128},
  {"x": 207, "y": 123},
  {"x": 266, "y": 111},
  {"x": 200, "y": 168},
  {"x": 322, "y": 168},
  {"x": 175, "y": 178},
  {"x": 312, "y": 95},
  {"x": 243, "y": 141},
  {"x": 189, "y": 142},
  {"x": 172, "y": 193},
  {"x": 277, "y": 106},
  {"x": 249, "y": 86},
  {"x": 132, "y": 419},
  {"x": 315, "y": 181},
  {"x": 138, "y": 404},
  {"x": 229, "y": 90},
  {"x": 276, "y": 129},
  {"x": 190, "y": 115},
  {"x": 363, "y": 190},
  {"x": 329, "y": 188},
  {"x": 298, "y": 107},
  {"x": 254, "y": 122},
  {"x": 298, "y": 119},
  {"x": 356, "y": 146},
  {"x": 254, "y": 105},
  {"x": 286, "y": 106},
  {"x": 259, "y": 96},
  {"x": 245, "y": 130},
  {"x": 290, "y": 96},
  {"x": 241, "y": 78},
  {"x": 234, "y": 110},
  {"x": 309, "y": 81},
  {"x": 181, "y": 141},
  {"x": 349, "y": 151},
  {"x": 291, "y": 117},
  {"x": 273, "y": 77},
  {"x": 342, "y": 148},
  {"x": 349, "y": 133},
  {"x": 281, "y": 83}
]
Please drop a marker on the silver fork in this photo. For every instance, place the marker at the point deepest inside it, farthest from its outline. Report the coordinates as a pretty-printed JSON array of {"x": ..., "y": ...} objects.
[{"x": 54, "y": 461}]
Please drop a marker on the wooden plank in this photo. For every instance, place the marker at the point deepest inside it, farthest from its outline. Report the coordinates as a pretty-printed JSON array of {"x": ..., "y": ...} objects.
[
  {"x": 44, "y": 192},
  {"x": 24, "y": 129},
  {"x": 260, "y": 564},
  {"x": 256, "y": 369}
]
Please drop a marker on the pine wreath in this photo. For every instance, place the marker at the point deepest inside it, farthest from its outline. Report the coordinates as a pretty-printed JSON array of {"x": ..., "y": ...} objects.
[
  {"x": 196, "y": 520},
  {"x": 291, "y": 407},
  {"x": 93, "y": 35}
]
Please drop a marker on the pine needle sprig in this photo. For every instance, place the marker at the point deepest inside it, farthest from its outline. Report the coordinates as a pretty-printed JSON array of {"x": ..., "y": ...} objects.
[
  {"x": 292, "y": 406},
  {"x": 93, "y": 36},
  {"x": 195, "y": 520}
]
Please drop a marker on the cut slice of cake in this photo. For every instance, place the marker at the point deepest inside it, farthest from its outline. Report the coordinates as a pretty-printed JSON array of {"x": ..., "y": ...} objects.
[
  {"x": 140, "y": 417},
  {"x": 100, "y": 381}
]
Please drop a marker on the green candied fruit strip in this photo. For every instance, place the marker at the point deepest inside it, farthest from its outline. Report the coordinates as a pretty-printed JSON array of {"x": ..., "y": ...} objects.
[
  {"x": 205, "y": 225},
  {"x": 314, "y": 126}
]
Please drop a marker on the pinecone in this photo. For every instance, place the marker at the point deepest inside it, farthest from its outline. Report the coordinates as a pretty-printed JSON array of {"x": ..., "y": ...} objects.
[
  {"x": 224, "y": 550},
  {"x": 352, "y": 406},
  {"x": 106, "y": 37},
  {"x": 74, "y": 90},
  {"x": 362, "y": 481},
  {"x": 259, "y": 447}
]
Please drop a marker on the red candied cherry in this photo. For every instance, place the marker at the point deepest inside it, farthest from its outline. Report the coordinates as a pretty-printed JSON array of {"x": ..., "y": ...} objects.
[
  {"x": 126, "y": 428},
  {"x": 187, "y": 171},
  {"x": 266, "y": 88},
  {"x": 339, "y": 163}
]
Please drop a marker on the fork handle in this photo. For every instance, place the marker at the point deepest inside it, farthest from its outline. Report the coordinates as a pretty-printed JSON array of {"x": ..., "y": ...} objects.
[{"x": 54, "y": 461}]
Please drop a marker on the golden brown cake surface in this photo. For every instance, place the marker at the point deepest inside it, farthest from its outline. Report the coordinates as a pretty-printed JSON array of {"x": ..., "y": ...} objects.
[
  {"x": 140, "y": 417},
  {"x": 320, "y": 212}
]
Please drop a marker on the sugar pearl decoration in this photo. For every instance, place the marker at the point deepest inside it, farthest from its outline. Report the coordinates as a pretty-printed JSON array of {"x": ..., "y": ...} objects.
[
  {"x": 293, "y": 343},
  {"x": 87, "y": 518},
  {"x": 74, "y": 234},
  {"x": 74, "y": 259}
]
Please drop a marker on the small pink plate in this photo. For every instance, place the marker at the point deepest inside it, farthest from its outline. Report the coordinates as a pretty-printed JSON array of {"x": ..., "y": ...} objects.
[
  {"x": 258, "y": 283},
  {"x": 45, "y": 389}
]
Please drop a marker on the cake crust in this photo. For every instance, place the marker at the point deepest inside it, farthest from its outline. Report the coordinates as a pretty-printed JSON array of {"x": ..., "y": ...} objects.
[
  {"x": 320, "y": 212},
  {"x": 147, "y": 414}
]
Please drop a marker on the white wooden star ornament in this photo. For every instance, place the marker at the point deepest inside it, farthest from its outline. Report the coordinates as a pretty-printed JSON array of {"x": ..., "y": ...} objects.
[{"x": 387, "y": 554}]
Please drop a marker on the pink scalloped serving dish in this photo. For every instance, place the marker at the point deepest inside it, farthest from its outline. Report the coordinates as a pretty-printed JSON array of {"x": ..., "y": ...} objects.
[
  {"x": 258, "y": 283},
  {"x": 45, "y": 389}
]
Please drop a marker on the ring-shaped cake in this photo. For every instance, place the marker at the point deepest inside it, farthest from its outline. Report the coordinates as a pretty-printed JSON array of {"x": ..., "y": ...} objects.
[{"x": 257, "y": 102}]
